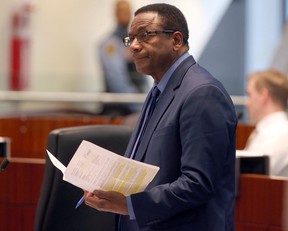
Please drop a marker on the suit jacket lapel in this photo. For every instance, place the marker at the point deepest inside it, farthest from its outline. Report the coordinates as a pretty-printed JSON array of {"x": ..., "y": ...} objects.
[{"x": 164, "y": 101}]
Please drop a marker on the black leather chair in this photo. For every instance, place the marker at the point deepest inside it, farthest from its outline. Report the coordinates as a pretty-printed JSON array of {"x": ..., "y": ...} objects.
[
  {"x": 56, "y": 207},
  {"x": 254, "y": 164}
]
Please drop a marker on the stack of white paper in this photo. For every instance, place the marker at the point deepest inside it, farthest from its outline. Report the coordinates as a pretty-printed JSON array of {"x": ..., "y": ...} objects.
[{"x": 93, "y": 167}]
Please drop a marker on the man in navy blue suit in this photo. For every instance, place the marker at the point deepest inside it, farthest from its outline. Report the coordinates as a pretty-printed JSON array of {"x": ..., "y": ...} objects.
[{"x": 190, "y": 136}]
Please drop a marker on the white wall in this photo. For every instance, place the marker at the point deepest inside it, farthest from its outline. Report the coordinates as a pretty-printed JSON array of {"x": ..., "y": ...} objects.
[
  {"x": 263, "y": 35},
  {"x": 64, "y": 37}
]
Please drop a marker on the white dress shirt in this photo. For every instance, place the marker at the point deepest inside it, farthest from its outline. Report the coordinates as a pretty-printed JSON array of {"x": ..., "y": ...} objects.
[{"x": 271, "y": 138}]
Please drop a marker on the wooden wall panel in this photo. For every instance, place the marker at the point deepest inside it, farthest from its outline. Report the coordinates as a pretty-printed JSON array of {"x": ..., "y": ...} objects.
[
  {"x": 29, "y": 133},
  {"x": 262, "y": 203},
  {"x": 250, "y": 227},
  {"x": 20, "y": 189},
  {"x": 17, "y": 217}
]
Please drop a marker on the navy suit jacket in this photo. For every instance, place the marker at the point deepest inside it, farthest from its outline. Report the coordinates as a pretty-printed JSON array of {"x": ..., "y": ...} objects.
[{"x": 191, "y": 137}]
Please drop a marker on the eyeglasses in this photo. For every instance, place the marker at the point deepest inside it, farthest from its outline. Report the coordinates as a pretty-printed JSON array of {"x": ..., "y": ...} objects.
[{"x": 144, "y": 36}]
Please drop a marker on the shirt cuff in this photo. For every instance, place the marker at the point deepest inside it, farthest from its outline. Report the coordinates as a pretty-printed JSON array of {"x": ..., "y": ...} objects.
[{"x": 130, "y": 208}]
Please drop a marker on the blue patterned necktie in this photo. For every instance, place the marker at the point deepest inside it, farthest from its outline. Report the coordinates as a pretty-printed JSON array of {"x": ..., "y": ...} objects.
[{"x": 148, "y": 113}]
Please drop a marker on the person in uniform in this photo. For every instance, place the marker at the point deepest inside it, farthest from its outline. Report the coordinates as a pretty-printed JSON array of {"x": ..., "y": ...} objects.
[{"x": 119, "y": 70}]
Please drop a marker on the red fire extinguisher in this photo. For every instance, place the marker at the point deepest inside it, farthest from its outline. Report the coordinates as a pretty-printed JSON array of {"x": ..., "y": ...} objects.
[{"x": 20, "y": 48}]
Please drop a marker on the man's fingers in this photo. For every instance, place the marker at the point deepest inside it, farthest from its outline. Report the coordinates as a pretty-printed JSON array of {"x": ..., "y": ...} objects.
[{"x": 101, "y": 194}]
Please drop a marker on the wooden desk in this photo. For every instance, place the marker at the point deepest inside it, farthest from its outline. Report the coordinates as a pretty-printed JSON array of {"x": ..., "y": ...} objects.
[
  {"x": 20, "y": 188},
  {"x": 262, "y": 204}
]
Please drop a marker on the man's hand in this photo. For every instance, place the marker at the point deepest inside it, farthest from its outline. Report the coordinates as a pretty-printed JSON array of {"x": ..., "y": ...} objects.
[{"x": 111, "y": 201}]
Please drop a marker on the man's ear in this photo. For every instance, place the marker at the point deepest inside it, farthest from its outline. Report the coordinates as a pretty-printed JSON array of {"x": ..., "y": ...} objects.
[
  {"x": 177, "y": 40},
  {"x": 265, "y": 95}
]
